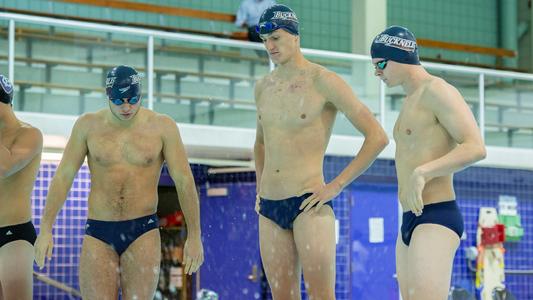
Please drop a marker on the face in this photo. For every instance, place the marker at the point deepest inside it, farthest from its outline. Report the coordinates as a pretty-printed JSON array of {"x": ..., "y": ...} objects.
[
  {"x": 280, "y": 45},
  {"x": 386, "y": 71},
  {"x": 126, "y": 108}
]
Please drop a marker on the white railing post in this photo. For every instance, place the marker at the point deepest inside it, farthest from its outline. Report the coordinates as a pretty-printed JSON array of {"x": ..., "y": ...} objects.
[
  {"x": 482, "y": 104},
  {"x": 11, "y": 52},
  {"x": 382, "y": 119},
  {"x": 150, "y": 71}
]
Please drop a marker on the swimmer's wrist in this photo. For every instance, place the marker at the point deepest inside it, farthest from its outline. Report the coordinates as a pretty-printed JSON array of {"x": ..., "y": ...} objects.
[
  {"x": 339, "y": 186},
  {"x": 422, "y": 172}
]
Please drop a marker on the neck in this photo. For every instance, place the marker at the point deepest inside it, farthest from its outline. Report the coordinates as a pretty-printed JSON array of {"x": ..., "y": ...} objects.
[
  {"x": 415, "y": 77},
  {"x": 7, "y": 118},
  {"x": 294, "y": 65}
]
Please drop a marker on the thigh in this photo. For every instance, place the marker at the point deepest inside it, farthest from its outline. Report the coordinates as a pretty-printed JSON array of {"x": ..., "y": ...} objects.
[
  {"x": 16, "y": 270},
  {"x": 139, "y": 266},
  {"x": 402, "y": 266},
  {"x": 314, "y": 234},
  {"x": 280, "y": 260},
  {"x": 99, "y": 270},
  {"x": 430, "y": 260}
]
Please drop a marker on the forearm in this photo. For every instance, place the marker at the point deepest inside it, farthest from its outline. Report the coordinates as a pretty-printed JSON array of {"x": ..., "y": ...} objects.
[
  {"x": 57, "y": 195},
  {"x": 459, "y": 158},
  {"x": 259, "y": 158},
  {"x": 188, "y": 198},
  {"x": 369, "y": 151}
]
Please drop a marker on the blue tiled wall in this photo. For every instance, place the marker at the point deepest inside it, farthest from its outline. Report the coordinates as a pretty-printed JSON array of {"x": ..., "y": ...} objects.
[{"x": 475, "y": 187}]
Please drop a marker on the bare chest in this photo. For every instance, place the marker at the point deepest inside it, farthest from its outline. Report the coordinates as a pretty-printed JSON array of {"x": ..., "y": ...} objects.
[
  {"x": 109, "y": 148},
  {"x": 291, "y": 104},
  {"x": 415, "y": 122}
]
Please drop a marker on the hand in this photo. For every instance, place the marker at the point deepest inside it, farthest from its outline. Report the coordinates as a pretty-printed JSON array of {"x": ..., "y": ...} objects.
[
  {"x": 320, "y": 196},
  {"x": 43, "y": 248},
  {"x": 257, "y": 200},
  {"x": 413, "y": 192},
  {"x": 193, "y": 254}
]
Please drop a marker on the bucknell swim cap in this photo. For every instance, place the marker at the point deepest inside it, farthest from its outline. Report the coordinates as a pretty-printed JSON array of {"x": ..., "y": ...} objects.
[
  {"x": 396, "y": 43},
  {"x": 6, "y": 90},
  {"x": 278, "y": 17},
  {"x": 123, "y": 82}
]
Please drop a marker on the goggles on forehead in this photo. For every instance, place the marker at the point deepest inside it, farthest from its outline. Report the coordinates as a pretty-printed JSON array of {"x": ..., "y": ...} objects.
[{"x": 267, "y": 27}]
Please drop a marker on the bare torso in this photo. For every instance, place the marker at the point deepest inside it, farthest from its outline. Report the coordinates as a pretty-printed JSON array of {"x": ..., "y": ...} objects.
[
  {"x": 125, "y": 164},
  {"x": 297, "y": 122},
  {"x": 16, "y": 190},
  {"x": 420, "y": 138}
]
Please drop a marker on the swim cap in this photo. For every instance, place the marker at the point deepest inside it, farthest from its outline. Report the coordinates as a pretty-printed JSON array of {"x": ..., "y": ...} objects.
[
  {"x": 396, "y": 43},
  {"x": 276, "y": 17},
  {"x": 6, "y": 90},
  {"x": 123, "y": 82}
]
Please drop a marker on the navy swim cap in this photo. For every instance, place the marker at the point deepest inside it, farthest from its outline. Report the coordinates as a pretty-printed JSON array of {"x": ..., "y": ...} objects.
[
  {"x": 123, "y": 82},
  {"x": 396, "y": 43},
  {"x": 6, "y": 90},
  {"x": 276, "y": 17}
]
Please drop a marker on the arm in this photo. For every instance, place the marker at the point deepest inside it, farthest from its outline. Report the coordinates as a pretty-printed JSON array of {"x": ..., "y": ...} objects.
[
  {"x": 259, "y": 145},
  {"x": 240, "y": 18},
  {"x": 259, "y": 155},
  {"x": 338, "y": 93},
  {"x": 26, "y": 146},
  {"x": 73, "y": 157},
  {"x": 341, "y": 95},
  {"x": 180, "y": 171},
  {"x": 455, "y": 116}
]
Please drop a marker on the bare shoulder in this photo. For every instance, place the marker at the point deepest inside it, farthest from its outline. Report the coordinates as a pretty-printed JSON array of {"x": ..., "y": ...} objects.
[
  {"x": 162, "y": 121},
  {"x": 27, "y": 131},
  {"x": 324, "y": 79},
  {"x": 261, "y": 84},
  {"x": 88, "y": 121},
  {"x": 438, "y": 90}
]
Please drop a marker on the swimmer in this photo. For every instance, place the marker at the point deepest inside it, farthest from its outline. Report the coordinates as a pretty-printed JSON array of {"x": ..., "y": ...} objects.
[
  {"x": 436, "y": 135},
  {"x": 296, "y": 108},
  {"x": 20, "y": 158},
  {"x": 125, "y": 147}
]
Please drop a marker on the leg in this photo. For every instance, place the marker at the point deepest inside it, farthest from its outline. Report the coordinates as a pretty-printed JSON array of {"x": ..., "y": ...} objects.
[
  {"x": 99, "y": 270},
  {"x": 16, "y": 270},
  {"x": 280, "y": 260},
  {"x": 314, "y": 235},
  {"x": 401, "y": 266},
  {"x": 430, "y": 260},
  {"x": 139, "y": 266}
]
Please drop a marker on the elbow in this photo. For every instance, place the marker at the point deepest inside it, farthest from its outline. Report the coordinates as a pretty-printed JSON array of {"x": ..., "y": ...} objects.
[
  {"x": 382, "y": 140},
  {"x": 481, "y": 153}
]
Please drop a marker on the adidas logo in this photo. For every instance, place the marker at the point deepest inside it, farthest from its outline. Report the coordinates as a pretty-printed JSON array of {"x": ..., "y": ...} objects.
[
  {"x": 150, "y": 221},
  {"x": 9, "y": 232}
]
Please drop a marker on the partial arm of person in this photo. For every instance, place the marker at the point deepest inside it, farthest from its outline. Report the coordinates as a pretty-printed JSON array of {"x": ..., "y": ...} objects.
[
  {"x": 25, "y": 147},
  {"x": 340, "y": 94},
  {"x": 180, "y": 171},
  {"x": 259, "y": 150},
  {"x": 455, "y": 116},
  {"x": 240, "y": 18},
  {"x": 73, "y": 157}
]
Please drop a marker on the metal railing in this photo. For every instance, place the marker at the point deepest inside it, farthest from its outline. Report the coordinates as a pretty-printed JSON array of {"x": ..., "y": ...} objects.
[{"x": 480, "y": 73}]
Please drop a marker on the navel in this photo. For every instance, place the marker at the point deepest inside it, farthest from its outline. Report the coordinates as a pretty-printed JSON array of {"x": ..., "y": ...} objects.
[
  {"x": 408, "y": 131},
  {"x": 303, "y": 116}
]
